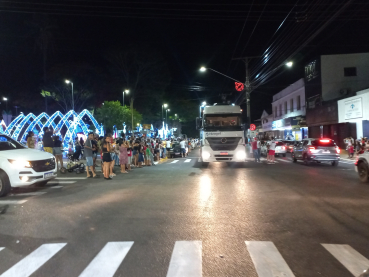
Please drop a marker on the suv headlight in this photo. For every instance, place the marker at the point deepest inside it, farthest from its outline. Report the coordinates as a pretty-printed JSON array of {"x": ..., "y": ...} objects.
[{"x": 20, "y": 163}]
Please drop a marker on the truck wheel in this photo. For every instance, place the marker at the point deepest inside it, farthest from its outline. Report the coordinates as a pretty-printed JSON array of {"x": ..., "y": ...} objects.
[
  {"x": 4, "y": 184},
  {"x": 204, "y": 164},
  {"x": 363, "y": 172}
]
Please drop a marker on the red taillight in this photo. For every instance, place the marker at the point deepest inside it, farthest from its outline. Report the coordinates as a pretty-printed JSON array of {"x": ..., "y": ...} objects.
[
  {"x": 283, "y": 147},
  {"x": 325, "y": 140},
  {"x": 311, "y": 148},
  {"x": 338, "y": 150}
]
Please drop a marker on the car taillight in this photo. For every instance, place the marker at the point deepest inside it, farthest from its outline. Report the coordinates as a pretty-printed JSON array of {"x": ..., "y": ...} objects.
[
  {"x": 338, "y": 150},
  {"x": 357, "y": 161},
  {"x": 311, "y": 148},
  {"x": 325, "y": 140}
]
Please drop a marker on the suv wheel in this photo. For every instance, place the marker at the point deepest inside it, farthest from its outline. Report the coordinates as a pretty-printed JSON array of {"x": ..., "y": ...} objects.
[
  {"x": 4, "y": 184},
  {"x": 306, "y": 160},
  {"x": 294, "y": 158},
  {"x": 363, "y": 172},
  {"x": 334, "y": 163}
]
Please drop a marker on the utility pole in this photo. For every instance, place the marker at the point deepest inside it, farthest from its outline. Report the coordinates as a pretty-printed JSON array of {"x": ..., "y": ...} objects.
[{"x": 248, "y": 88}]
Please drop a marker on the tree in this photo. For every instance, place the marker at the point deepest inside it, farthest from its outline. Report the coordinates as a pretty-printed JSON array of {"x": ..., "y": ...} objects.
[
  {"x": 144, "y": 72},
  {"x": 113, "y": 113}
]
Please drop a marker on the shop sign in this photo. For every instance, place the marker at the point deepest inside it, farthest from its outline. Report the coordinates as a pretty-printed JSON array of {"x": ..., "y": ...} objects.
[
  {"x": 353, "y": 108},
  {"x": 278, "y": 124}
]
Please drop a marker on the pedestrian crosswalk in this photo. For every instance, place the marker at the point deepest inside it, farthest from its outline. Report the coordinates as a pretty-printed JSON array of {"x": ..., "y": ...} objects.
[{"x": 186, "y": 259}]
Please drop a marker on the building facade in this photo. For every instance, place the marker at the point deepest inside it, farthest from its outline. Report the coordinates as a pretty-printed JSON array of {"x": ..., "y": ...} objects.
[
  {"x": 328, "y": 80},
  {"x": 289, "y": 112}
]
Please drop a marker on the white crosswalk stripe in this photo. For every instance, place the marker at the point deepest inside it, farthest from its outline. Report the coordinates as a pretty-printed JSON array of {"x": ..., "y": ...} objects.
[
  {"x": 12, "y": 202},
  {"x": 106, "y": 263},
  {"x": 70, "y": 178},
  {"x": 187, "y": 160},
  {"x": 34, "y": 261},
  {"x": 175, "y": 161},
  {"x": 186, "y": 259},
  {"x": 348, "y": 257},
  {"x": 267, "y": 260}
]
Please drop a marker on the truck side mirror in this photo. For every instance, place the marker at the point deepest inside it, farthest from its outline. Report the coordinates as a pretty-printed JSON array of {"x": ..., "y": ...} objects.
[{"x": 198, "y": 123}]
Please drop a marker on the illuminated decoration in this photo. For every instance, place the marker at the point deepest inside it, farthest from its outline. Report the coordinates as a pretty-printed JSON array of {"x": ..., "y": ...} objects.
[
  {"x": 239, "y": 86},
  {"x": 252, "y": 127},
  {"x": 74, "y": 123}
]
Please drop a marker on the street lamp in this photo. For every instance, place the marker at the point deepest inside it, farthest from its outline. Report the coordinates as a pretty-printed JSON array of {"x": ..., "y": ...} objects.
[
  {"x": 166, "y": 115},
  {"x": 289, "y": 64},
  {"x": 125, "y": 91},
  {"x": 203, "y": 69},
  {"x": 69, "y": 82},
  {"x": 162, "y": 110},
  {"x": 6, "y": 101}
]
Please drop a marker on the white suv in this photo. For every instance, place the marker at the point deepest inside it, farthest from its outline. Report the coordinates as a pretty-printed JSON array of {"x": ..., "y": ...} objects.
[
  {"x": 362, "y": 166},
  {"x": 21, "y": 166}
]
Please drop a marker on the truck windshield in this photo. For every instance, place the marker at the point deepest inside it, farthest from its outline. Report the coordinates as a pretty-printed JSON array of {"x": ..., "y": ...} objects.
[{"x": 229, "y": 122}]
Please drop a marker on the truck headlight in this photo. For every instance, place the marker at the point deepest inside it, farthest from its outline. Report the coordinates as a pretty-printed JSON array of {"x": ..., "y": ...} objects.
[
  {"x": 240, "y": 155},
  {"x": 205, "y": 155},
  {"x": 20, "y": 163}
]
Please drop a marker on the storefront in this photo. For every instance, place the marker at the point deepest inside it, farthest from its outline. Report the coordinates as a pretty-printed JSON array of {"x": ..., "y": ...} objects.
[
  {"x": 292, "y": 128},
  {"x": 356, "y": 110}
]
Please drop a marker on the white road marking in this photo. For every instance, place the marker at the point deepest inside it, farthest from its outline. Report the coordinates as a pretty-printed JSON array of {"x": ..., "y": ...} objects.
[
  {"x": 60, "y": 182},
  {"x": 286, "y": 161},
  {"x": 108, "y": 260},
  {"x": 187, "y": 160},
  {"x": 69, "y": 178},
  {"x": 267, "y": 260},
  {"x": 56, "y": 187},
  {"x": 12, "y": 202},
  {"x": 175, "y": 161},
  {"x": 349, "y": 257},
  {"x": 35, "y": 193},
  {"x": 156, "y": 162},
  {"x": 1, "y": 248},
  {"x": 34, "y": 261},
  {"x": 347, "y": 162},
  {"x": 186, "y": 260}
]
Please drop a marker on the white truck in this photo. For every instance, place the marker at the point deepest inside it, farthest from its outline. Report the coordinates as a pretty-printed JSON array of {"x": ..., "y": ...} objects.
[{"x": 222, "y": 137}]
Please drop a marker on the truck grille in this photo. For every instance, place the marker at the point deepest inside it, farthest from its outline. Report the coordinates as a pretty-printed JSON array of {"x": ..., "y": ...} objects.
[
  {"x": 43, "y": 165},
  {"x": 225, "y": 143}
]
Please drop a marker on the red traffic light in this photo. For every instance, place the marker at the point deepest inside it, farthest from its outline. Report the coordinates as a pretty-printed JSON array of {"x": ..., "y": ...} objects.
[{"x": 239, "y": 86}]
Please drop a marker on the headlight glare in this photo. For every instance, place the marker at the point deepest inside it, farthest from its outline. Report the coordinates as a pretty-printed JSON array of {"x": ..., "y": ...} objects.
[
  {"x": 205, "y": 155},
  {"x": 240, "y": 155},
  {"x": 20, "y": 163}
]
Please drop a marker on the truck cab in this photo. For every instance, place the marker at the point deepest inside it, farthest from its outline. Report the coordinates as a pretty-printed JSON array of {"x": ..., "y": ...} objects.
[{"x": 221, "y": 134}]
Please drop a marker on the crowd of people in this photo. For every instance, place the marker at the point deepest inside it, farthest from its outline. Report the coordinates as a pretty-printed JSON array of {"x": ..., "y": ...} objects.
[
  {"x": 357, "y": 146},
  {"x": 124, "y": 152}
]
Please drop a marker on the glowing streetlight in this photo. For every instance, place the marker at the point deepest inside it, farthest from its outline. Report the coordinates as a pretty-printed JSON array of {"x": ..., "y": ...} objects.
[
  {"x": 162, "y": 110},
  {"x": 125, "y": 91},
  {"x": 6, "y": 101},
  {"x": 203, "y": 69},
  {"x": 289, "y": 64},
  {"x": 69, "y": 82}
]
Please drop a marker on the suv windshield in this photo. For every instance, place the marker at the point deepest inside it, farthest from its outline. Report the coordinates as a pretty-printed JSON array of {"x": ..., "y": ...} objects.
[
  {"x": 323, "y": 143},
  {"x": 230, "y": 122},
  {"x": 7, "y": 143}
]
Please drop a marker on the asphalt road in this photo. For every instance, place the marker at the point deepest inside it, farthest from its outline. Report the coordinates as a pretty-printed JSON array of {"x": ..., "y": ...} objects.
[{"x": 178, "y": 219}]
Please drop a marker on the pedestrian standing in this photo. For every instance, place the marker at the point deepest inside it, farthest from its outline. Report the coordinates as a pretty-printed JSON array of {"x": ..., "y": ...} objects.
[
  {"x": 47, "y": 140},
  {"x": 113, "y": 154},
  {"x": 157, "y": 152},
  {"x": 88, "y": 155},
  {"x": 183, "y": 148},
  {"x": 123, "y": 156},
  {"x": 140, "y": 155},
  {"x": 30, "y": 140},
  {"x": 106, "y": 157},
  {"x": 271, "y": 151},
  {"x": 259, "y": 148},
  {"x": 58, "y": 151},
  {"x": 95, "y": 150},
  {"x": 168, "y": 145},
  {"x": 254, "y": 146},
  {"x": 148, "y": 156},
  {"x": 129, "y": 155}
]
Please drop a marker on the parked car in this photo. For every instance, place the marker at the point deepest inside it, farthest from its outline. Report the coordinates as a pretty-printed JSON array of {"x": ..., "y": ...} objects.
[
  {"x": 21, "y": 166},
  {"x": 317, "y": 150},
  {"x": 280, "y": 148},
  {"x": 174, "y": 151},
  {"x": 362, "y": 167},
  {"x": 290, "y": 144}
]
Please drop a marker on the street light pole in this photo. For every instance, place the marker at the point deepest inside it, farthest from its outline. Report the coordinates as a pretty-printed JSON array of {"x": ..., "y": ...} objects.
[
  {"x": 69, "y": 82},
  {"x": 125, "y": 91},
  {"x": 6, "y": 102},
  {"x": 166, "y": 115},
  {"x": 162, "y": 111}
]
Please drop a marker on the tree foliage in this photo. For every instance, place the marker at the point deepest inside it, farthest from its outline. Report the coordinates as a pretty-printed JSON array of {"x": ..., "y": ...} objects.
[{"x": 113, "y": 113}]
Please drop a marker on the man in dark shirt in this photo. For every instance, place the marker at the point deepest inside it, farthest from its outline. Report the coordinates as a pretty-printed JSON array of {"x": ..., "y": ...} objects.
[
  {"x": 88, "y": 155},
  {"x": 47, "y": 140}
]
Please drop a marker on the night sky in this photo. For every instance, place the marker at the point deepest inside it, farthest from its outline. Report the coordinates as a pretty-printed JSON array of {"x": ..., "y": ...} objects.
[{"x": 188, "y": 34}]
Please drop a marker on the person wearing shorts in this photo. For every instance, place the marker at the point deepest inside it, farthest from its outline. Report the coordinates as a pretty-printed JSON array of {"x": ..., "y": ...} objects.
[
  {"x": 89, "y": 156},
  {"x": 183, "y": 148},
  {"x": 271, "y": 151}
]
